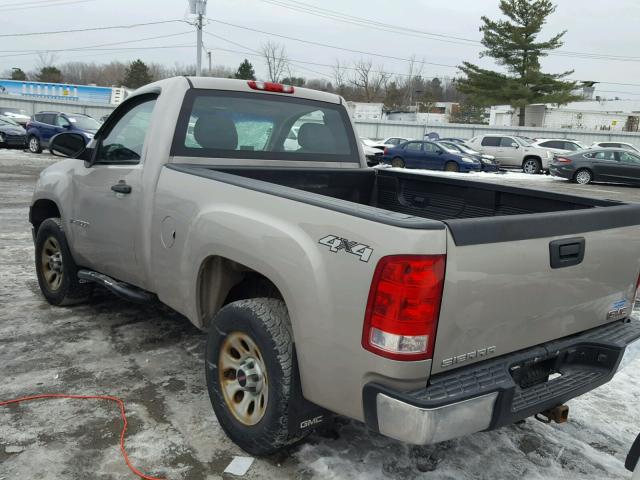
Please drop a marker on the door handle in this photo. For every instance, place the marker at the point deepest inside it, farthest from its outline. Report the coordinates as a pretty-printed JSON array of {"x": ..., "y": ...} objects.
[
  {"x": 566, "y": 252},
  {"x": 121, "y": 187}
]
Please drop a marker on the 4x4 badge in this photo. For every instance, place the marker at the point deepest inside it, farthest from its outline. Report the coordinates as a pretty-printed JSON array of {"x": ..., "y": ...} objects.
[{"x": 336, "y": 244}]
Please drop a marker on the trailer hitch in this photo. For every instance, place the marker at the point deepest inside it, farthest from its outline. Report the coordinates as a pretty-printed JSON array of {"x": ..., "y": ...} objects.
[{"x": 558, "y": 414}]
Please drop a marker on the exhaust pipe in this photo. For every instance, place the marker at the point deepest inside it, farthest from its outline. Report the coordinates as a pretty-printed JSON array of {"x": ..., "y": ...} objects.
[{"x": 558, "y": 414}]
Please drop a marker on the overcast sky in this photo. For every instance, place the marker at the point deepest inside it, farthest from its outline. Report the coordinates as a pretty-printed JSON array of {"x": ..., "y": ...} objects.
[{"x": 594, "y": 26}]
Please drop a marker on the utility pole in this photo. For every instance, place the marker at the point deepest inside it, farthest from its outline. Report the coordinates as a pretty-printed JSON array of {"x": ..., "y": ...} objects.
[{"x": 198, "y": 8}]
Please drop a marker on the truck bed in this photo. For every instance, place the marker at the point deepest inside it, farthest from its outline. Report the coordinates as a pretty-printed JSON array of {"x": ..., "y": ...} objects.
[{"x": 475, "y": 212}]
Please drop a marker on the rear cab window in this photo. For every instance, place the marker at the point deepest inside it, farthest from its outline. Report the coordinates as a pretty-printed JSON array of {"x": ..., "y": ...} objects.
[{"x": 247, "y": 125}]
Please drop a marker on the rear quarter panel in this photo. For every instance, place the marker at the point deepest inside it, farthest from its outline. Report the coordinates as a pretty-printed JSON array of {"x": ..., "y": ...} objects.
[{"x": 326, "y": 293}]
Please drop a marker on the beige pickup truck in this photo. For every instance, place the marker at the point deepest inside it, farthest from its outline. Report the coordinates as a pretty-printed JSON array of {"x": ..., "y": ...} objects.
[{"x": 426, "y": 307}]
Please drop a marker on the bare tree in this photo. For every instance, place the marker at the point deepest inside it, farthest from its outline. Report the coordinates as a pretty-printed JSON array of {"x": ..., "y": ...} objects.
[
  {"x": 45, "y": 59},
  {"x": 371, "y": 81},
  {"x": 340, "y": 77},
  {"x": 275, "y": 56}
]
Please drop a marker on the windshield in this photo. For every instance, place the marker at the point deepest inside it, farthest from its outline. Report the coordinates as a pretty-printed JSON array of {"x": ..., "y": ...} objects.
[
  {"x": 222, "y": 124},
  {"x": 466, "y": 149},
  {"x": 83, "y": 122},
  {"x": 7, "y": 121},
  {"x": 450, "y": 147}
]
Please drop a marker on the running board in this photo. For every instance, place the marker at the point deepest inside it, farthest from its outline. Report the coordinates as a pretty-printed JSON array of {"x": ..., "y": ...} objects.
[{"x": 121, "y": 289}]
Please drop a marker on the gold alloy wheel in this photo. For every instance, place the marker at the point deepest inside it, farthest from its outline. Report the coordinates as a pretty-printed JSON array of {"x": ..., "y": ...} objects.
[
  {"x": 243, "y": 378},
  {"x": 51, "y": 260}
]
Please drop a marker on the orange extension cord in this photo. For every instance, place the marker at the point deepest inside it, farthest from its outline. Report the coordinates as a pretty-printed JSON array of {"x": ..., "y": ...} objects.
[{"x": 92, "y": 397}]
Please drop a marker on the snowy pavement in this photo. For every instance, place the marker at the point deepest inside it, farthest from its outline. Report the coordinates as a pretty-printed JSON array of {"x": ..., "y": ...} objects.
[{"x": 152, "y": 358}]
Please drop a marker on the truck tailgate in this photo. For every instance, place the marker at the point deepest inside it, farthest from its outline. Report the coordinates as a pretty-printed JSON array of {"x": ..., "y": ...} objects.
[{"x": 505, "y": 296}]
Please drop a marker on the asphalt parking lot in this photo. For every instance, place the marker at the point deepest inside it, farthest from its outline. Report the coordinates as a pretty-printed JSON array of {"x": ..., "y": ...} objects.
[{"x": 152, "y": 359}]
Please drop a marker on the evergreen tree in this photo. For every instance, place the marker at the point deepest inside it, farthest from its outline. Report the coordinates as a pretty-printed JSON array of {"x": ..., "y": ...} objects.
[
  {"x": 245, "y": 71},
  {"x": 49, "y": 74},
  {"x": 18, "y": 74},
  {"x": 137, "y": 75},
  {"x": 513, "y": 43}
]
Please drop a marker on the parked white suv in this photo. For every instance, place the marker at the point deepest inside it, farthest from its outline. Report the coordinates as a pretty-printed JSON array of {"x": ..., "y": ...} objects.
[
  {"x": 513, "y": 151},
  {"x": 559, "y": 145}
]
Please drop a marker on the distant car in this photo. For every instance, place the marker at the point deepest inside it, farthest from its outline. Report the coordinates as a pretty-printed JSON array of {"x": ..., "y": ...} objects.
[
  {"x": 626, "y": 146},
  {"x": 429, "y": 156},
  {"x": 559, "y": 145},
  {"x": 459, "y": 141},
  {"x": 389, "y": 142},
  {"x": 11, "y": 133},
  {"x": 19, "y": 115},
  {"x": 598, "y": 165},
  {"x": 47, "y": 124},
  {"x": 513, "y": 151},
  {"x": 488, "y": 161},
  {"x": 373, "y": 154}
]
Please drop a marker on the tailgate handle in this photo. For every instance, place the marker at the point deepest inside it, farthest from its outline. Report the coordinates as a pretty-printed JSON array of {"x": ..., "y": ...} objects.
[{"x": 566, "y": 252}]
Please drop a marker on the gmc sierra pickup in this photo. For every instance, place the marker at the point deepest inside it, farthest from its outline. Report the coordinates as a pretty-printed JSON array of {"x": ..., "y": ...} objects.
[{"x": 427, "y": 307}]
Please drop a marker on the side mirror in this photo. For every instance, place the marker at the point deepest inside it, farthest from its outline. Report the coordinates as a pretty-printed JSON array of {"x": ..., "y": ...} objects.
[
  {"x": 439, "y": 152},
  {"x": 69, "y": 145},
  {"x": 515, "y": 145}
]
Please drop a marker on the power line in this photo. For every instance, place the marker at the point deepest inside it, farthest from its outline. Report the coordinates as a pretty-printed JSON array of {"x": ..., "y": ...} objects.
[
  {"x": 72, "y": 2},
  {"x": 319, "y": 44},
  {"x": 93, "y": 29}
]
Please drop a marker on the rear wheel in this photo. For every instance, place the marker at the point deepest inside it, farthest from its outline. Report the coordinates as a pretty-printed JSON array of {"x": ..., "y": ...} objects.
[
  {"x": 249, "y": 367},
  {"x": 531, "y": 166},
  {"x": 397, "y": 162},
  {"x": 583, "y": 176},
  {"x": 452, "y": 167},
  {"x": 34, "y": 144}
]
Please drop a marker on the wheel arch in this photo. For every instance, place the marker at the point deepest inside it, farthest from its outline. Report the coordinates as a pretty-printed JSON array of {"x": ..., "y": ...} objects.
[
  {"x": 222, "y": 280},
  {"x": 532, "y": 157},
  {"x": 42, "y": 209}
]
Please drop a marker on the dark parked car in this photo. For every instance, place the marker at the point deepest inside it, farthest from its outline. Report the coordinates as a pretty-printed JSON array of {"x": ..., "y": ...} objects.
[
  {"x": 430, "y": 156},
  {"x": 47, "y": 124},
  {"x": 598, "y": 165},
  {"x": 488, "y": 161},
  {"x": 12, "y": 134}
]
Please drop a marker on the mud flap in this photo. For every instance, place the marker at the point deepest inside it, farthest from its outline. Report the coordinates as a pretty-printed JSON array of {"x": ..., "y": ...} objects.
[{"x": 303, "y": 414}]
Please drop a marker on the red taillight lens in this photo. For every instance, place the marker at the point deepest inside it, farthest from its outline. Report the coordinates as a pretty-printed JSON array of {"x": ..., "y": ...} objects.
[
  {"x": 270, "y": 87},
  {"x": 385, "y": 151},
  {"x": 562, "y": 160},
  {"x": 403, "y": 307}
]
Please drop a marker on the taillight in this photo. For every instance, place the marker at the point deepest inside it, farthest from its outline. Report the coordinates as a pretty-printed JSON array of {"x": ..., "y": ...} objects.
[
  {"x": 403, "y": 307},
  {"x": 385, "y": 151},
  {"x": 562, "y": 160},
  {"x": 270, "y": 87}
]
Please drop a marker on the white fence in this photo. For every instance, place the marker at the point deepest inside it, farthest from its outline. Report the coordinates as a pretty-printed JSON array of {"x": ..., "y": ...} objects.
[
  {"x": 417, "y": 130},
  {"x": 32, "y": 105}
]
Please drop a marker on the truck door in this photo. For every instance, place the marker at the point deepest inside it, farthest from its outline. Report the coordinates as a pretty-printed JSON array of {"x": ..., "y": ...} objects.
[{"x": 108, "y": 195}]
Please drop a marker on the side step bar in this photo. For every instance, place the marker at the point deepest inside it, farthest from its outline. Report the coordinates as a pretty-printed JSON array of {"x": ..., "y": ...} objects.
[{"x": 121, "y": 289}]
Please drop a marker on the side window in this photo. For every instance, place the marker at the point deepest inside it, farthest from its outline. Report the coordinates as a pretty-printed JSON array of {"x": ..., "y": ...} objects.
[
  {"x": 49, "y": 118},
  {"x": 123, "y": 143},
  {"x": 571, "y": 146},
  {"x": 605, "y": 155},
  {"x": 508, "y": 142},
  {"x": 629, "y": 158},
  {"x": 413, "y": 146},
  {"x": 490, "y": 141},
  {"x": 61, "y": 121},
  {"x": 554, "y": 144},
  {"x": 430, "y": 147},
  {"x": 610, "y": 145}
]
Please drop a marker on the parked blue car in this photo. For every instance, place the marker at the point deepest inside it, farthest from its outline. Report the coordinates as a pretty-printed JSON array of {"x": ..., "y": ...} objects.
[
  {"x": 429, "y": 156},
  {"x": 45, "y": 125}
]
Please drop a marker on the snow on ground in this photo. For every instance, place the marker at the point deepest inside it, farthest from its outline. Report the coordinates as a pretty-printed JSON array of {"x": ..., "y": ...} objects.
[{"x": 152, "y": 358}]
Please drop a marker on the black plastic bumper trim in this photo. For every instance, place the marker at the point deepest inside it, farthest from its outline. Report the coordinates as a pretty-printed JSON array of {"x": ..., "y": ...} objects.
[{"x": 586, "y": 360}]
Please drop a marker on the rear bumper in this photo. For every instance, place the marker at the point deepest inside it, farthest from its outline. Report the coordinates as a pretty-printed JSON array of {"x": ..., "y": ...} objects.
[
  {"x": 563, "y": 171},
  {"x": 494, "y": 393}
]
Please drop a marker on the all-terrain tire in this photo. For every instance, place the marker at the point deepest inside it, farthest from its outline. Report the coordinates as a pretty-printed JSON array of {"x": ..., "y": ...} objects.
[
  {"x": 264, "y": 322},
  {"x": 58, "y": 277}
]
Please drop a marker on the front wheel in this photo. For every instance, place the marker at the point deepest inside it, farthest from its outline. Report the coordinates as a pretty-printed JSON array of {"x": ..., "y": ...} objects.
[
  {"x": 55, "y": 268},
  {"x": 531, "y": 166},
  {"x": 583, "y": 177},
  {"x": 34, "y": 144},
  {"x": 249, "y": 367}
]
